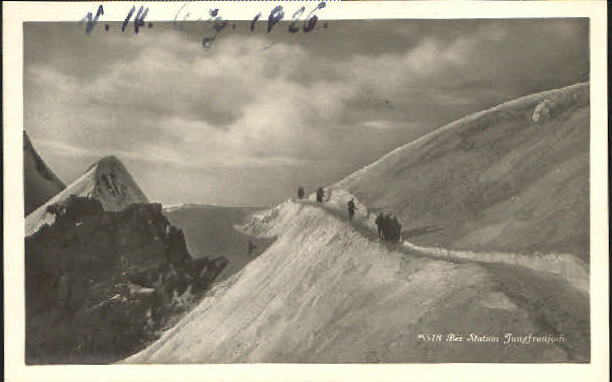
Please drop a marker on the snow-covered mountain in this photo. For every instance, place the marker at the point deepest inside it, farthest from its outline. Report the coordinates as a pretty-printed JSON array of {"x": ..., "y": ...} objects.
[
  {"x": 513, "y": 178},
  {"x": 327, "y": 291},
  {"x": 107, "y": 181},
  {"x": 40, "y": 182}
]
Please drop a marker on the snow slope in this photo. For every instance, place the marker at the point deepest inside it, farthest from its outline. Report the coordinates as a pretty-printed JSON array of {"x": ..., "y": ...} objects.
[
  {"x": 509, "y": 186},
  {"x": 514, "y": 178},
  {"x": 211, "y": 231},
  {"x": 107, "y": 181},
  {"x": 40, "y": 182},
  {"x": 327, "y": 291}
]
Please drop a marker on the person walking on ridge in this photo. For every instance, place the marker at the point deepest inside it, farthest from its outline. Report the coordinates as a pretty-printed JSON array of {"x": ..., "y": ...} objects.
[
  {"x": 386, "y": 227},
  {"x": 379, "y": 224},
  {"x": 300, "y": 192},
  {"x": 351, "y": 209},
  {"x": 251, "y": 247},
  {"x": 398, "y": 229},
  {"x": 320, "y": 193}
]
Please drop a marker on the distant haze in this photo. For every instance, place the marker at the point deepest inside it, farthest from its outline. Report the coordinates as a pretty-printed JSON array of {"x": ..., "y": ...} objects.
[{"x": 256, "y": 115}]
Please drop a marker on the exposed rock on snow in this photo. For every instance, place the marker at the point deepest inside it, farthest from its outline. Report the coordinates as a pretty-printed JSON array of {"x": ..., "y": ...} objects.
[
  {"x": 102, "y": 284},
  {"x": 560, "y": 102},
  {"x": 542, "y": 112},
  {"x": 40, "y": 183}
]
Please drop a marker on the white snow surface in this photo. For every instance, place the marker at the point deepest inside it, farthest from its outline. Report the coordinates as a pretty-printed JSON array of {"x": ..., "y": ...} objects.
[
  {"x": 542, "y": 103},
  {"x": 107, "y": 180},
  {"x": 513, "y": 178},
  {"x": 328, "y": 291}
]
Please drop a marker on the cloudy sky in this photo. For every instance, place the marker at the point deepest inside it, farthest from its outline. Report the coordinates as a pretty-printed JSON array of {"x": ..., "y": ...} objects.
[{"x": 247, "y": 120}]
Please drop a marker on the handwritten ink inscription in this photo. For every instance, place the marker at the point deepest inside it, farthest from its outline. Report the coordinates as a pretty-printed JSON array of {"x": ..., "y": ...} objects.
[{"x": 218, "y": 24}]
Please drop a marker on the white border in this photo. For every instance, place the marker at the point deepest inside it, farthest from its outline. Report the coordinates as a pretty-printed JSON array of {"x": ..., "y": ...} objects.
[{"x": 15, "y": 370}]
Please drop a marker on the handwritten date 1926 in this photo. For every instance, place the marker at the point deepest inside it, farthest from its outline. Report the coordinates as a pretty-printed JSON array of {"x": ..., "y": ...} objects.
[{"x": 218, "y": 23}]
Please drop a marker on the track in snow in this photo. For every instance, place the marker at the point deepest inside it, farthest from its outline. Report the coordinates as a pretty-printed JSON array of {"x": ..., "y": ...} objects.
[
  {"x": 553, "y": 288},
  {"x": 327, "y": 291}
]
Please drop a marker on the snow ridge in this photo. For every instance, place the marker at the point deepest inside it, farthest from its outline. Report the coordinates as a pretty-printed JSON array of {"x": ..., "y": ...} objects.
[
  {"x": 539, "y": 107},
  {"x": 327, "y": 291}
]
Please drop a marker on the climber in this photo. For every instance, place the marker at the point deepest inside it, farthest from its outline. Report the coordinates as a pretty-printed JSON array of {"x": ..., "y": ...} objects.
[
  {"x": 351, "y": 209},
  {"x": 386, "y": 227},
  {"x": 300, "y": 192},
  {"x": 379, "y": 224},
  {"x": 390, "y": 235},
  {"x": 252, "y": 247},
  {"x": 397, "y": 229},
  {"x": 320, "y": 194}
]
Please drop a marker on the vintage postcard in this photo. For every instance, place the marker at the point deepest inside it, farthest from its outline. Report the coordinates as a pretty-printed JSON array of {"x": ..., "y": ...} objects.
[{"x": 306, "y": 190}]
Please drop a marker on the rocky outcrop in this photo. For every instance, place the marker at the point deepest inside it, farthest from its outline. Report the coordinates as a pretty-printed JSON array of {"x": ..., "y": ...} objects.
[
  {"x": 216, "y": 230},
  {"x": 101, "y": 284},
  {"x": 559, "y": 103}
]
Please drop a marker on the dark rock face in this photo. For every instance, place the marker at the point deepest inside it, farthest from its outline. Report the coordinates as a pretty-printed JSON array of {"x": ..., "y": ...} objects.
[
  {"x": 100, "y": 285},
  {"x": 40, "y": 182}
]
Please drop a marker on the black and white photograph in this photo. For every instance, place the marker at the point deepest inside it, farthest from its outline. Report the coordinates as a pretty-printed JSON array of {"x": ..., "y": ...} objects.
[{"x": 288, "y": 188}]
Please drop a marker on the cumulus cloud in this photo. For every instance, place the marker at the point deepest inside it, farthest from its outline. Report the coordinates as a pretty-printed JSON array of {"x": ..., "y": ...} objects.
[{"x": 291, "y": 102}]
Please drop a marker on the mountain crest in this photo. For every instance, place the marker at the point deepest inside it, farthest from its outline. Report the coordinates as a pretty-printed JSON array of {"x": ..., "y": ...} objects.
[
  {"x": 107, "y": 181},
  {"x": 501, "y": 179}
]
